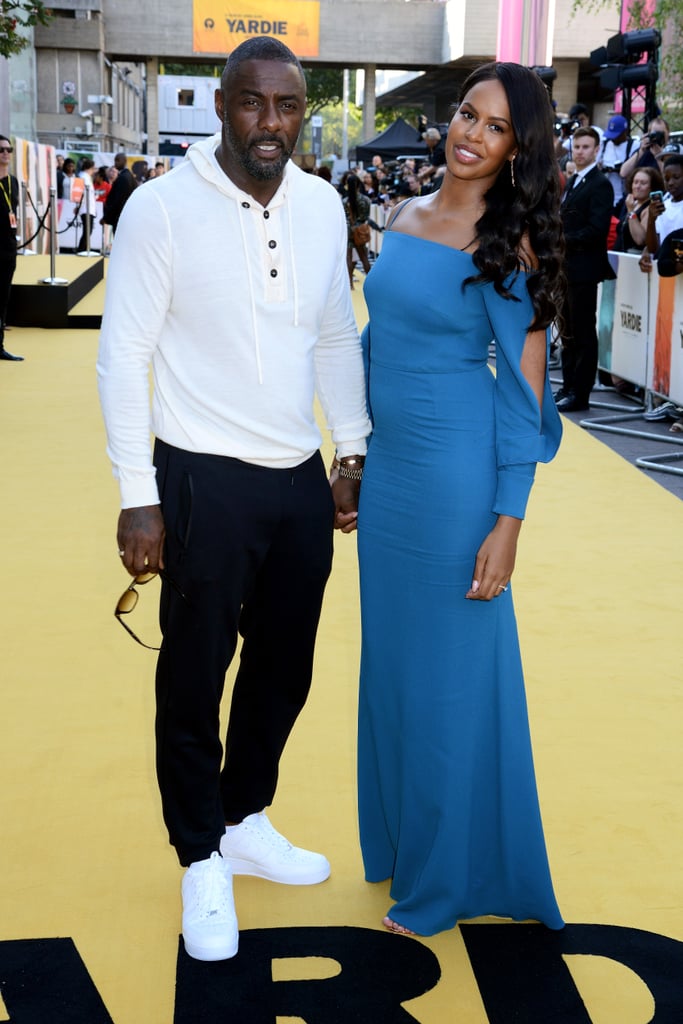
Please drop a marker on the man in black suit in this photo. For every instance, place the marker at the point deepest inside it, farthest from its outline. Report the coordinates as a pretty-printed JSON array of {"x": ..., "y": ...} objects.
[
  {"x": 586, "y": 213},
  {"x": 120, "y": 192}
]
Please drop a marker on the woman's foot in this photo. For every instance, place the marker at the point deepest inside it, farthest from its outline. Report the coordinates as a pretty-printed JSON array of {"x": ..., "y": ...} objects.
[{"x": 394, "y": 926}]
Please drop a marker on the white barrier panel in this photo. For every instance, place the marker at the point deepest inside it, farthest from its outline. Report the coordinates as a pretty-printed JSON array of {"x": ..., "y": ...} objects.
[
  {"x": 379, "y": 215},
  {"x": 623, "y": 321},
  {"x": 70, "y": 227}
]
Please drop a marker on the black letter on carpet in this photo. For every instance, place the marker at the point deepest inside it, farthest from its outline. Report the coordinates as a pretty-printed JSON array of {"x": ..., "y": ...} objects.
[
  {"x": 379, "y": 972},
  {"x": 46, "y": 980},
  {"x": 523, "y": 978}
]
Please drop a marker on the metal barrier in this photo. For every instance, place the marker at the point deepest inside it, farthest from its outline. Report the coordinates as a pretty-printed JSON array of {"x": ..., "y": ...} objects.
[{"x": 637, "y": 315}]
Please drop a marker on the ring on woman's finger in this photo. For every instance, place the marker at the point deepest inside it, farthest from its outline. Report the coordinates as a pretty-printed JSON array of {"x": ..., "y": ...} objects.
[{"x": 501, "y": 587}]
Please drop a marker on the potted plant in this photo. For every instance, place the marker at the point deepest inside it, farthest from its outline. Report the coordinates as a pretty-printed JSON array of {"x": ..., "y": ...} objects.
[{"x": 69, "y": 103}]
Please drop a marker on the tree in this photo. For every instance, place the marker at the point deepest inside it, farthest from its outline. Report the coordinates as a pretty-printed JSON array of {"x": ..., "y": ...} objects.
[
  {"x": 387, "y": 115},
  {"x": 324, "y": 88},
  {"x": 14, "y": 17},
  {"x": 668, "y": 18}
]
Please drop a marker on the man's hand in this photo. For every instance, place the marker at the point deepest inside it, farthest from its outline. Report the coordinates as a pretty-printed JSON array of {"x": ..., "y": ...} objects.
[
  {"x": 140, "y": 537},
  {"x": 345, "y": 494}
]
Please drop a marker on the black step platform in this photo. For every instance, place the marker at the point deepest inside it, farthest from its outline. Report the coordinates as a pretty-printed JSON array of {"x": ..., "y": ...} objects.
[{"x": 36, "y": 304}]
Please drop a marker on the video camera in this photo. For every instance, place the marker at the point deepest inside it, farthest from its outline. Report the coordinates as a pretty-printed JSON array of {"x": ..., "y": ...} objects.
[{"x": 565, "y": 129}]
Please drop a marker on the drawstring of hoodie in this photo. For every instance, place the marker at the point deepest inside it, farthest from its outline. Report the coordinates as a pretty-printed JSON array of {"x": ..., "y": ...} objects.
[
  {"x": 295, "y": 282},
  {"x": 254, "y": 320}
]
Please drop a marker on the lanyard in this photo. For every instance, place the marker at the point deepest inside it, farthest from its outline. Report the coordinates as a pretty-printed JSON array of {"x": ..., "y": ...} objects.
[{"x": 7, "y": 192}]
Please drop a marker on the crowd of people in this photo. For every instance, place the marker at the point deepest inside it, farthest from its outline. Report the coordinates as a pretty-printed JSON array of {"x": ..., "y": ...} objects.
[{"x": 621, "y": 194}]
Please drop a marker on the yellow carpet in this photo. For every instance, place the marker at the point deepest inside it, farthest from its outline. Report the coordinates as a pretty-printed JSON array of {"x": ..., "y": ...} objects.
[{"x": 83, "y": 851}]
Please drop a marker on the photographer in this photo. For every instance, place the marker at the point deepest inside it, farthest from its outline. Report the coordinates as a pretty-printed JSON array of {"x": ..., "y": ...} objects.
[
  {"x": 649, "y": 153},
  {"x": 563, "y": 131},
  {"x": 615, "y": 149},
  {"x": 436, "y": 157},
  {"x": 578, "y": 118}
]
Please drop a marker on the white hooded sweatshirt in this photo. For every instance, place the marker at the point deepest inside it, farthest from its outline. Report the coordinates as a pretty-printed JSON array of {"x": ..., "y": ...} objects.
[{"x": 244, "y": 313}]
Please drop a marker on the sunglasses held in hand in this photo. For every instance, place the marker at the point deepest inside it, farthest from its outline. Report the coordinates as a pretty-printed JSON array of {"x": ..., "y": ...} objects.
[{"x": 130, "y": 597}]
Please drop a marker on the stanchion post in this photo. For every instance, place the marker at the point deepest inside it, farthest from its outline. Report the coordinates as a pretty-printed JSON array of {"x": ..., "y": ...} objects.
[
  {"x": 53, "y": 279},
  {"x": 23, "y": 215},
  {"x": 87, "y": 217}
]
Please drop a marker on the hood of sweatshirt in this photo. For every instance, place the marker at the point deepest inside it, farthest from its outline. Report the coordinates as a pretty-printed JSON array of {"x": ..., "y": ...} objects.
[{"x": 202, "y": 156}]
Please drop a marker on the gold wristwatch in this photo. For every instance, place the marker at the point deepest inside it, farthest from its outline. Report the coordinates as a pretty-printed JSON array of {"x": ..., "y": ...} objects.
[{"x": 351, "y": 467}]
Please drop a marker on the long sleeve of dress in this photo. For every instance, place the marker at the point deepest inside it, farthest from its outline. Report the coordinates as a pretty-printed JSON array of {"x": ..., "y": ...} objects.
[{"x": 525, "y": 434}]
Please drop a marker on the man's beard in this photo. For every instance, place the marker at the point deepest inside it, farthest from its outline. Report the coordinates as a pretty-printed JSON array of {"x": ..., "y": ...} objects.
[{"x": 260, "y": 169}]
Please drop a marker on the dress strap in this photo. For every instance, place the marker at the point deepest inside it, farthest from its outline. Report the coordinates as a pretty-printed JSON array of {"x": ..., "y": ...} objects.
[{"x": 396, "y": 213}]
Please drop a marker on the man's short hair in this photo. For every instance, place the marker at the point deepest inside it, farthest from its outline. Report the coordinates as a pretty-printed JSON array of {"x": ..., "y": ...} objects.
[
  {"x": 259, "y": 48},
  {"x": 587, "y": 131}
]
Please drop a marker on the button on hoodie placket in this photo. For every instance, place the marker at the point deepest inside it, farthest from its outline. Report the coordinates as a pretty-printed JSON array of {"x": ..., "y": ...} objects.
[{"x": 275, "y": 286}]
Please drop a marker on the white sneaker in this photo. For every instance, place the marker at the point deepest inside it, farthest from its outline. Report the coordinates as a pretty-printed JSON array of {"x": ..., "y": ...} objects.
[
  {"x": 254, "y": 847},
  {"x": 209, "y": 919}
]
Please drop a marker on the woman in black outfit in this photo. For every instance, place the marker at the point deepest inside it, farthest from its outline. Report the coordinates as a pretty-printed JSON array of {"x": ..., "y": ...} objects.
[{"x": 357, "y": 209}]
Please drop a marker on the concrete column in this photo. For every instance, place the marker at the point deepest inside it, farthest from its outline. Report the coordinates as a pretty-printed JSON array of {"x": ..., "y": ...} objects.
[
  {"x": 152, "y": 65},
  {"x": 369, "y": 103}
]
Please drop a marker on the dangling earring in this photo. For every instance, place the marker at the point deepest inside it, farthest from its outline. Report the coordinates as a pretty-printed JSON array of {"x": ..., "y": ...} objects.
[{"x": 512, "y": 171}]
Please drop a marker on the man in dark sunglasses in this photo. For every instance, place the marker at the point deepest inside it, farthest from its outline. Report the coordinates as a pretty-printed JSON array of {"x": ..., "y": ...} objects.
[
  {"x": 228, "y": 275},
  {"x": 9, "y": 201}
]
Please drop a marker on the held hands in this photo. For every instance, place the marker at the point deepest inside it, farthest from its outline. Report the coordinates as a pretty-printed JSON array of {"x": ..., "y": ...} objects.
[
  {"x": 345, "y": 494},
  {"x": 345, "y": 490},
  {"x": 140, "y": 537},
  {"x": 495, "y": 560}
]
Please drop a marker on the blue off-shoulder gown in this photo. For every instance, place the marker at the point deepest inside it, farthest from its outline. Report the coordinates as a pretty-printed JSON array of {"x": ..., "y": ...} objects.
[{"x": 447, "y": 793}]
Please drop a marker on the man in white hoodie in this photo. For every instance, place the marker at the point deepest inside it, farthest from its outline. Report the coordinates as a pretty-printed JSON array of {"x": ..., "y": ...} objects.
[{"x": 228, "y": 275}]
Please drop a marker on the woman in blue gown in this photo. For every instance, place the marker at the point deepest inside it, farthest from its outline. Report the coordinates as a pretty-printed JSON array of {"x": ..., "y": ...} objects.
[{"x": 447, "y": 794}]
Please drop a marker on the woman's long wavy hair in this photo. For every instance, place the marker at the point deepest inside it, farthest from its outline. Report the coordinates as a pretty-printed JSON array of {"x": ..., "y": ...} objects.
[
  {"x": 353, "y": 190},
  {"x": 529, "y": 209}
]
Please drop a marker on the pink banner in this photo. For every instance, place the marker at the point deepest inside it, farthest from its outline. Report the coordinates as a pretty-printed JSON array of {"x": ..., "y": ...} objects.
[{"x": 524, "y": 30}]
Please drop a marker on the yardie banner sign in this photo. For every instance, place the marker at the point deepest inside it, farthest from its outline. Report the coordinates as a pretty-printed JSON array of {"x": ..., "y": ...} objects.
[{"x": 219, "y": 27}]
